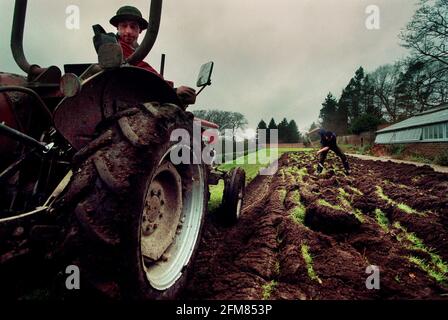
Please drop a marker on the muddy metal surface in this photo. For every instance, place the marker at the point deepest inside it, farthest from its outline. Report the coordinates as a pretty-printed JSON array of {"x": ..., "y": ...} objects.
[{"x": 303, "y": 236}]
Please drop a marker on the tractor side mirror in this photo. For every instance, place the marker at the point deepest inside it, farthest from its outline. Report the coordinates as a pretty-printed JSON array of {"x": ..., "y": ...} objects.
[{"x": 205, "y": 75}]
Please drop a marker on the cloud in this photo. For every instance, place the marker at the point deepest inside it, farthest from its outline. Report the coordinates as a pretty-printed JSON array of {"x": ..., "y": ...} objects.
[{"x": 272, "y": 58}]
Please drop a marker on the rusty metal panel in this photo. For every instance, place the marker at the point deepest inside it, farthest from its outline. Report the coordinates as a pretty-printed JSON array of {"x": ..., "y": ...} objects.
[{"x": 7, "y": 100}]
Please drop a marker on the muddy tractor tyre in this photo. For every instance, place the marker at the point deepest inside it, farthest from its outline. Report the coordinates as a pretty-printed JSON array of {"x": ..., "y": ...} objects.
[
  {"x": 135, "y": 217},
  {"x": 233, "y": 196}
]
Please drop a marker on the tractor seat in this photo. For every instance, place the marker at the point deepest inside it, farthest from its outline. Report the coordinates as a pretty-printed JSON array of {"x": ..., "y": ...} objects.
[{"x": 77, "y": 69}]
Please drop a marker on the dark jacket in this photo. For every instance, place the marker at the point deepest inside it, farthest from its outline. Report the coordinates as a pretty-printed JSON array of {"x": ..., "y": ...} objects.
[{"x": 327, "y": 138}]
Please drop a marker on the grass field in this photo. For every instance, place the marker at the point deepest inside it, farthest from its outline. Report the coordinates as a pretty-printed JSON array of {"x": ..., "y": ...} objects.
[{"x": 251, "y": 170}]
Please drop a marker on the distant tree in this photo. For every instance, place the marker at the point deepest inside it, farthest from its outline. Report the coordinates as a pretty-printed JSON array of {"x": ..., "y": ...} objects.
[
  {"x": 427, "y": 33},
  {"x": 343, "y": 112},
  {"x": 272, "y": 126},
  {"x": 283, "y": 135},
  {"x": 224, "y": 119},
  {"x": 403, "y": 95},
  {"x": 293, "y": 132},
  {"x": 202, "y": 114},
  {"x": 368, "y": 98},
  {"x": 427, "y": 83},
  {"x": 356, "y": 94},
  {"x": 237, "y": 121},
  {"x": 328, "y": 112},
  {"x": 262, "y": 125},
  {"x": 350, "y": 103},
  {"x": 385, "y": 80},
  {"x": 366, "y": 122}
]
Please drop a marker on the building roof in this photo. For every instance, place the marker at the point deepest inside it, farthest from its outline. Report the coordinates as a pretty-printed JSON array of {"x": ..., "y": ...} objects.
[{"x": 425, "y": 118}]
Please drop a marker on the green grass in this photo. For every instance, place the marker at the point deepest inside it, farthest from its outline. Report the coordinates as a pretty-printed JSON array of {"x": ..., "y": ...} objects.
[
  {"x": 345, "y": 203},
  {"x": 349, "y": 148},
  {"x": 296, "y": 172},
  {"x": 357, "y": 191},
  {"x": 299, "y": 211},
  {"x": 416, "y": 242},
  {"x": 252, "y": 170},
  {"x": 382, "y": 219},
  {"x": 216, "y": 193},
  {"x": 309, "y": 263},
  {"x": 380, "y": 193},
  {"x": 436, "y": 267},
  {"x": 295, "y": 196},
  {"x": 283, "y": 194},
  {"x": 402, "y": 206},
  {"x": 343, "y": 193},
  {"x": 422, "y": 264},
  {"x": 324, "y": 203},
  {"x": 398, "y": 226},
  {"x": 439, "y": 263},
  {"x": 298, "y": 214},
  {"x": 359, "y": 215},
  {"x": 268, "y": 288},
  {"x": 419, "y": 158},
  {"x": 345, "y": 199},
  {"x": 277, "y": 268},
  {"x": 347, "y": 207}
]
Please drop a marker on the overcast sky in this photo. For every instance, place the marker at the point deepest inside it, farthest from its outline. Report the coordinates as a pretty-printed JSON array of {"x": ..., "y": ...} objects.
[{"x": 272, "y": 58}]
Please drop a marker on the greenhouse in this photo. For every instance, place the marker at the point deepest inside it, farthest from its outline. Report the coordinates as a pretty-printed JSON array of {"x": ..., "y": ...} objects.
[{"x": 428, "y": 126}]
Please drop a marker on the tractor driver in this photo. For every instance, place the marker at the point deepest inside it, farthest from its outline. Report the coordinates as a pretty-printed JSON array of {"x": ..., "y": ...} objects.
[{"x": 130, "y": 23}]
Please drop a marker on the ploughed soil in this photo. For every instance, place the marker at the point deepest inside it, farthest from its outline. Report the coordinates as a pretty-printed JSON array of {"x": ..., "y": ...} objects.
[{"x": 308, "y": 236}]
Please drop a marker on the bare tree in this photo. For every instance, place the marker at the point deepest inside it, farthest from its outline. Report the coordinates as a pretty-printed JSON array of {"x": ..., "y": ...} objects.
[
  {"x": 409, "y": 87},
  {"x": 427, "y": 33},
  {"x": 385, "y": 79},
  {"x": 224, "y": 119}
]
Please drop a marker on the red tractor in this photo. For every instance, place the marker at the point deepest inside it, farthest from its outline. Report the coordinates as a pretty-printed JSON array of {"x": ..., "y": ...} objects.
[{"x": 87, "y": 176}]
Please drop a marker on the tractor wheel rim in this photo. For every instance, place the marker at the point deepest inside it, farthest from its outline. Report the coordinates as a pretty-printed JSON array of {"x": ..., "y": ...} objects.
[
  {"x": 168, "y": 248},
  {"x": 162, "y": 212},
  {"x": 239, "y": 204}
]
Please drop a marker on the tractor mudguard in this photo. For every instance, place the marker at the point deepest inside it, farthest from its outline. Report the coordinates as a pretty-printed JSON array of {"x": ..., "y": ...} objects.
[
  {"x": 76, "y": 118},
  {"x": 8, "y": 111}
]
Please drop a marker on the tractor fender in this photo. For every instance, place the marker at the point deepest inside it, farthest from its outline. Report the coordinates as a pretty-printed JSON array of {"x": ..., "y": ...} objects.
[
  {"x": 76, "y": 118},
  {"x": 7, "y": 111}
]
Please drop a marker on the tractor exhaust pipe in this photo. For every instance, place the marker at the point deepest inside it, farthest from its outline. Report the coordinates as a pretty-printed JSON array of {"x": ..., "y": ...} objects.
[
  {"x": 151, "y": 34},
  {"x": 18, "y": 26}
]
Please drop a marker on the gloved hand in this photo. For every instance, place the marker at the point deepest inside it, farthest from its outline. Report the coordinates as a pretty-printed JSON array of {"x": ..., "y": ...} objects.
[{"x": 186, "y": 95}]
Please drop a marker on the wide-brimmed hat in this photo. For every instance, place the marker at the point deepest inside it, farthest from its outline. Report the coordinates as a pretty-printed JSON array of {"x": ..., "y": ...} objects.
[{"x": 129, "y": 13}]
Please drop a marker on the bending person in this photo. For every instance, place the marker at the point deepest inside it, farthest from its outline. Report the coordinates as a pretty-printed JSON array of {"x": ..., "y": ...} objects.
[{"x": 328, "y": 142}]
